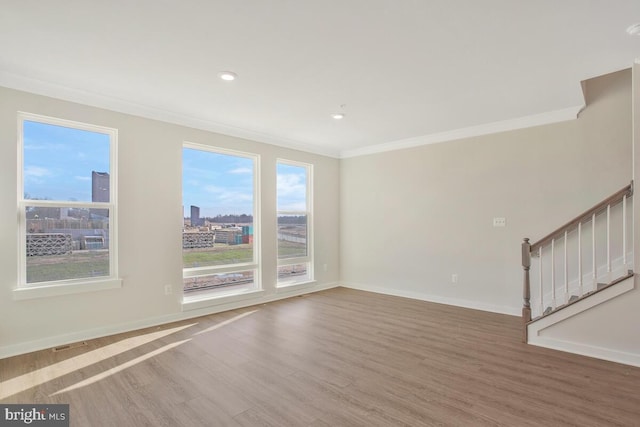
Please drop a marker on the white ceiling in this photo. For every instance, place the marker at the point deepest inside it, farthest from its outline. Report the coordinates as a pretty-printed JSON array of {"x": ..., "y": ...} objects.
[{"x": 408, "y": 71}]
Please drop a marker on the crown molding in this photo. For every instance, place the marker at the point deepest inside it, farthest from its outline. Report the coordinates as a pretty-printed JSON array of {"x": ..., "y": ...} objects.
[
  {"x": 565, "y": 114},
  {"x": 54, "y": 90},
  {"x": 44, "y": 88}
]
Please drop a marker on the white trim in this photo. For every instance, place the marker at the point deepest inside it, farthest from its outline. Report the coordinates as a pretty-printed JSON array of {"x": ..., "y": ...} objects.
[
  {"x": 602, "y": 276},
  {"x": 40, "y": 87},
  {"x": 93, "y": 99},
  {"x": 513, "y": 311},
  {"x": 217, "y": 269},
  {"x": 309, "y": 194},
  {"x": 285, "y": 287},
  {"x": 570, "y": 113},
  {"x": 589, "y": 350},
  {"x": 52, "y": 290},
  {"x": 57, "y": 340},
  {"x": 214, "y": 297},
  {"x": 578, "y": 307},
  {"x": 534, "y": 329}
]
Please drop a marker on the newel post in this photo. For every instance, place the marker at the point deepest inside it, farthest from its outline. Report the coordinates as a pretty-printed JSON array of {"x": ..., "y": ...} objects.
[{"x": 526, "y": 291}]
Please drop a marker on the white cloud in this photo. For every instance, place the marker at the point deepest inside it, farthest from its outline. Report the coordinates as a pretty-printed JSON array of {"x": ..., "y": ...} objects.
[
  {"x": 83, "y": 178},
  {"x": 213, "y": 189},
  {"x": 242, "y": 171},
  {"x": 224, "y": 196},
  {"x": 36, "y": 172},
  {"x": 291, "y": 185}
]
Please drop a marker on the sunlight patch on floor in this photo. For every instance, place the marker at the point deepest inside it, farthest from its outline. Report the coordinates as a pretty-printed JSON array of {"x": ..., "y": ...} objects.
[
  {"x": 56, "y": 370},
  {"x": 226, "y": 322},
  {"x": 120, "y": 368}
]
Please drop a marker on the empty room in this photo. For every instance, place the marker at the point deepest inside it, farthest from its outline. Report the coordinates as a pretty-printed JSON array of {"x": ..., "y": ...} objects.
[{"x": 321, "y": 213}]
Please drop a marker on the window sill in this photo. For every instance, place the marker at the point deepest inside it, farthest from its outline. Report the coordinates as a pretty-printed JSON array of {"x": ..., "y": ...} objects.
[
  {"x": 47, "y": 291},
  {"x": 194, "y": 303}
]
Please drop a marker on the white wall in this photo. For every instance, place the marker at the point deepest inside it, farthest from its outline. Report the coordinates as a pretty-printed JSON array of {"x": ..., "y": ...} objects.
[
  {"x": 411, "y": 218},
  {"x": 150, "y": 245}
]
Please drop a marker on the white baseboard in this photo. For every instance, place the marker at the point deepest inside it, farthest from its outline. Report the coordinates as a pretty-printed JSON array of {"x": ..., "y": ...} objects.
[
  {"x": 476, "y": 305},
  {"x": 589, "y": 350},
  {"x": 63, "y": 339}
]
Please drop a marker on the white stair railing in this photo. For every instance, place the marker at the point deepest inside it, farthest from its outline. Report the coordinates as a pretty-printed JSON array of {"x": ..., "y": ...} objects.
[{"x": 608, "y": 238}]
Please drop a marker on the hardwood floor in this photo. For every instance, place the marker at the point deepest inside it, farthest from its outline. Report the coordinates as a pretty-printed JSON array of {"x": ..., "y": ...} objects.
[{"x": 334, "y": 358}]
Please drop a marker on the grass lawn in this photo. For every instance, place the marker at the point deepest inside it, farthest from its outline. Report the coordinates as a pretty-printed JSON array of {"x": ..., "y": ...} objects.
[
  {"x": 218, "y": 255},
  {"x": 77, "y": 265}
]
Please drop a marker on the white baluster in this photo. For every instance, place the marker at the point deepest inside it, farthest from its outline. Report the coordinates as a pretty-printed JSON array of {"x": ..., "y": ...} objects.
[
  {"x": 553, "y": 273},
  {"x": 593, "y": 252},
  {"x": 608, "y": 278},
  {"x": 540, "y": 280},
  {"x": 566, "y": 270},
  {"x": 624, "y": 233},
  {"x": 580, "y": 258}
]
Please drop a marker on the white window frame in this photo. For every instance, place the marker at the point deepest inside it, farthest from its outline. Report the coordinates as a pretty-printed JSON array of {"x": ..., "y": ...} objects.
[
  {"x": 26, "y": 290},
  {"x": 223, "y": 295},
  {"x": 308, "y": 259}
]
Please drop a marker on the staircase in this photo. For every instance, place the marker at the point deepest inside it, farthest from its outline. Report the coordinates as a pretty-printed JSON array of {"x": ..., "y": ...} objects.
[{"x": 585, "y": 257}]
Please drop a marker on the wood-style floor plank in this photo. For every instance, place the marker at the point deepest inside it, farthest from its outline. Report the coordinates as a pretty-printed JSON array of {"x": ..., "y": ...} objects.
[{"x": 334, "y": 358}]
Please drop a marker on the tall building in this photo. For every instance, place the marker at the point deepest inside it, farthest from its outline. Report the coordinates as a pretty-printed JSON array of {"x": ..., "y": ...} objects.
[
  {"x": 196, "y": 221},
  {"x": 100, "y": 183},
  {"x": 99, "y": 186}
]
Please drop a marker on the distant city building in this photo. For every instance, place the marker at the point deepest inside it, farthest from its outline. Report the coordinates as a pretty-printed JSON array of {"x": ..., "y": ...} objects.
[
  {"x": 100, "y": 187},
  {"x": 196, "y": 221},
  {"x": 100, "y": 190}
]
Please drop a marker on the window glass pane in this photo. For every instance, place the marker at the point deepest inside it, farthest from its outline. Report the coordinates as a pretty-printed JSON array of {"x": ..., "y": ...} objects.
[
  {"x": 212, "y": 282},
  {"x": 293, "y": 272},
  {"x": 66, "y": 243},
  {"x": 218, "y": 209},
  {"x": 292, "y": 236},
  {"x": 292, "y": 188},
  {"x": 65, "y": 164}
]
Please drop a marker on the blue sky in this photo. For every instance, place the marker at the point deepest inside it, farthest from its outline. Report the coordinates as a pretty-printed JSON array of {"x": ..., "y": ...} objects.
[
  {"x": 58, "y": 162},
  {"x": 223, "y": 184},
  {"x": 292, "y": 187},
  {"x": 217, "y": 183}
]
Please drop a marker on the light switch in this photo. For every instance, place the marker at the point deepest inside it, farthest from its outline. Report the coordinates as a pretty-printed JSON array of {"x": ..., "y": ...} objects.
[{"x": 499, "y": 222}]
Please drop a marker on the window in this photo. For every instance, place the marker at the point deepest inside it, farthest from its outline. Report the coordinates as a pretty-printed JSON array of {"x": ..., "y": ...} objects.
[
  {"x": 67, "y": 204},
  {"x": 219, "y": 236},
  {"x": 294, "y": 223}
]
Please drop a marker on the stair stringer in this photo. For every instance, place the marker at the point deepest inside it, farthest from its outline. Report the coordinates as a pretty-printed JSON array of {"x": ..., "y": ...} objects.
[{"x": 557, "y": 330}]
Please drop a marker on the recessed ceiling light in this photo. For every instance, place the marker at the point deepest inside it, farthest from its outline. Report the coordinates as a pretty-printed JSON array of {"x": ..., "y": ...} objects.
[
  {"x": 634, "y": 30},
  {"x": 337, "y": 116},
  {"x": 227, "y": 75}
]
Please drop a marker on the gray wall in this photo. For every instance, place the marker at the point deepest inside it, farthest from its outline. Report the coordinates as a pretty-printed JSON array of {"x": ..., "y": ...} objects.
[
  {"x": 149, "y": 246},
  {"x": 412, "y": 218}
]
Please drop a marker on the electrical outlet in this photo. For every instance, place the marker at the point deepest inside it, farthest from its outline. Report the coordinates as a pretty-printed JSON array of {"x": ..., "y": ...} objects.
[
  {"x": 168, "y": 289},
  {"x": 454, "y": 278},
  {"x": 499, "y": 222}
]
